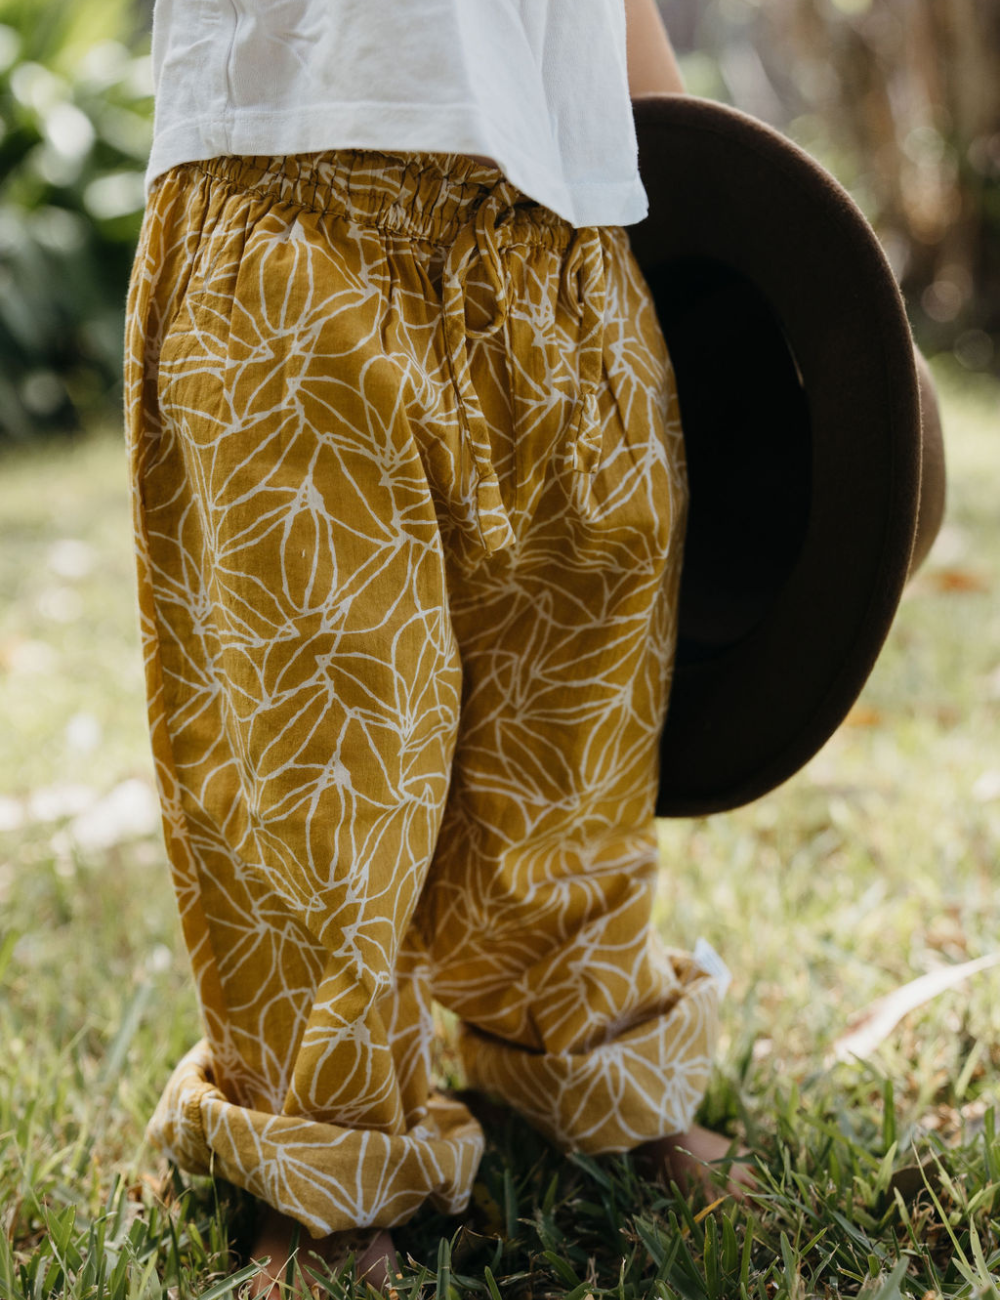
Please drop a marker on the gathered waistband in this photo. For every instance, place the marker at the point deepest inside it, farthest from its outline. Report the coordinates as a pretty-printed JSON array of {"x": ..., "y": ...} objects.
[
  {"x": 475, "y": 211},
  {"x": 422, "y": 195}
]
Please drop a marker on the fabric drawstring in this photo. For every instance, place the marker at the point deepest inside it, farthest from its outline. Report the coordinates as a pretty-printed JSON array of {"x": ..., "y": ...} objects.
[
  {"x": 582, "y": 288},
  {"x": 478, "y": 236},
  {"x": 584, "y": 291}
]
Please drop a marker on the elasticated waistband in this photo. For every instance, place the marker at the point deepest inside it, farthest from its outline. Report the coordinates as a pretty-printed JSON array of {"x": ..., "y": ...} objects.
[
  {"x": 473, "y": 211},
  {"x": 422, "y": 195}
]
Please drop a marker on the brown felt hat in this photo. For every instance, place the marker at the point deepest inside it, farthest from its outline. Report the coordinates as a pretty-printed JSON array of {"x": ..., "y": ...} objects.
[{"x": 813, "y": 442}]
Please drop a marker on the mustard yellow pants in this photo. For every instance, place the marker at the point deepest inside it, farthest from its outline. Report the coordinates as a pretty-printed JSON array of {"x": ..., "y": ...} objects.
[{"x": 409, "y": 493}]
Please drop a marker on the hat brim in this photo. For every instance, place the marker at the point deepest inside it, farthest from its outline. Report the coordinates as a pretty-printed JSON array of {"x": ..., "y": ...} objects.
[{"x": 748, "y": 711}]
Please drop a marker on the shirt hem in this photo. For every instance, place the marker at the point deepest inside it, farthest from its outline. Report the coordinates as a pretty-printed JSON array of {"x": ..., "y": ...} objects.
[{"x": 417, "y": 128}]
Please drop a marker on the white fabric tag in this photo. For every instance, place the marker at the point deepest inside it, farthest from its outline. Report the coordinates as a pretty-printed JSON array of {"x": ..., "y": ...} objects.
[{"x": 709, "y": 960}]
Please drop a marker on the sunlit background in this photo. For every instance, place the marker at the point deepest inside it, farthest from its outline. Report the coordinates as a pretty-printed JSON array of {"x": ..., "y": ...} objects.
[{"x": 900, "y": 99}]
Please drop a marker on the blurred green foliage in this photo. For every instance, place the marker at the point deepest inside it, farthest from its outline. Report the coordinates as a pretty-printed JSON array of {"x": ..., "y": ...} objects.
[{"x": 75, "y": 129}]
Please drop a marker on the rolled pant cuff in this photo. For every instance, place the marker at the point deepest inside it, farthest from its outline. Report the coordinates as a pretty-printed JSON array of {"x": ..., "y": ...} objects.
[
  {"x": 645, "y": 1083},
  {"x": 327, "y": 1177}
]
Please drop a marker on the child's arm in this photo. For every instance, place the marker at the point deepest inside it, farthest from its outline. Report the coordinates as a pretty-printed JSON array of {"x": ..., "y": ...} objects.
[{"x": 652, "y": 66}]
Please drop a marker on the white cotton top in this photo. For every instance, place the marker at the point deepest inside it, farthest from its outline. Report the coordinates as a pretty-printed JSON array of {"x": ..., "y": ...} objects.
[{"x": 541, "y": 86}]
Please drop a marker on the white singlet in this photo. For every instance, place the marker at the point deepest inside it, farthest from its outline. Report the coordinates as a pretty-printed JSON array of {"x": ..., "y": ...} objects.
[{"x": 539, "y": 86}]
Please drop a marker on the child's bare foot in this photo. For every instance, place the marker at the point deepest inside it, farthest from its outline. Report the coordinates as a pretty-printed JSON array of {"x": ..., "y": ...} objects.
[
  {"x": 665, "y": 1159},
  {"x": 374, "y": 1255}
]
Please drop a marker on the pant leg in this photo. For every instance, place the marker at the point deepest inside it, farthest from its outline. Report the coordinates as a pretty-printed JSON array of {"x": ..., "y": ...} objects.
[
  {"x": 537, "y": 911},
  {"x": 303, "y": 686}
]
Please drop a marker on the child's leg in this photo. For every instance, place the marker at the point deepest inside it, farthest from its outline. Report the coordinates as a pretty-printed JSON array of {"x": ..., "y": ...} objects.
[
  {"x": 302, "y": 674},
  {"x": 313, "y": 475},
  {"x": 537, "y": 911}
]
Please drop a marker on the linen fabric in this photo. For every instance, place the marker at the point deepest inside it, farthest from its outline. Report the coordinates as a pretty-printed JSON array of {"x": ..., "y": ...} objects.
[
  {"x": 408, "y": 495},
  {"x": 538, "y": 86}
]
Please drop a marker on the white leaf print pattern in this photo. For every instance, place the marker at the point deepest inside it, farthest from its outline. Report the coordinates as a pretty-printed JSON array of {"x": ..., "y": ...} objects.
[{"x": 408, "y": 558}]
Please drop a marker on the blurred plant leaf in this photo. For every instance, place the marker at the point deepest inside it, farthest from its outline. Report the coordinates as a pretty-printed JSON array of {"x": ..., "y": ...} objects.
[{"x": 75, "y": 129}]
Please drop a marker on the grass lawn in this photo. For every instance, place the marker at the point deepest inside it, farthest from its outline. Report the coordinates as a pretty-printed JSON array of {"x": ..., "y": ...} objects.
[{"x": 874, "y": 866}]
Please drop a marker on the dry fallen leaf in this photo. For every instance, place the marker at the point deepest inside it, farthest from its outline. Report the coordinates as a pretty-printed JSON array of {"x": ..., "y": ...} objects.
[
  {"x": 881, "y": 1016},
  {"x": 863, "y": 715},
  {"x": 956, "y": 579}
]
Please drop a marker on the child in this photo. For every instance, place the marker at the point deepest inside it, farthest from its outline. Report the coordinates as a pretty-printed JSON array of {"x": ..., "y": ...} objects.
[{"x": 409, "y": 500}]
